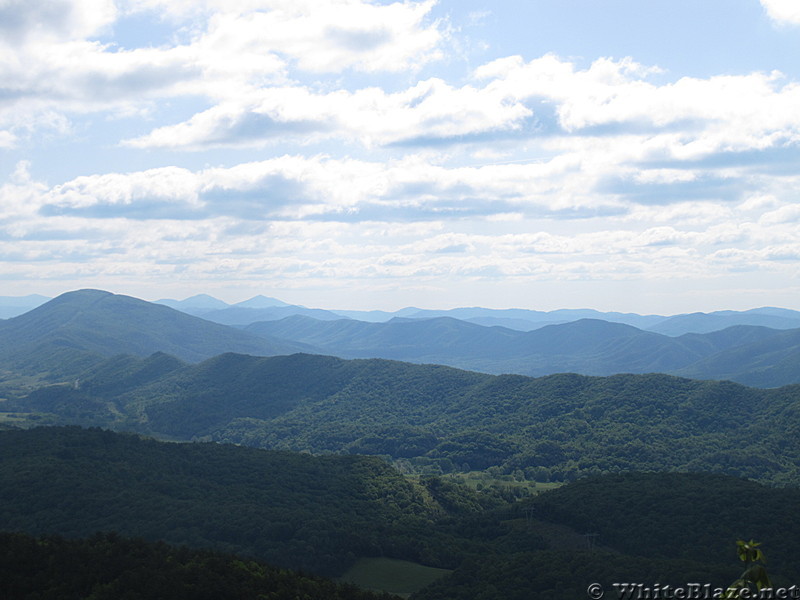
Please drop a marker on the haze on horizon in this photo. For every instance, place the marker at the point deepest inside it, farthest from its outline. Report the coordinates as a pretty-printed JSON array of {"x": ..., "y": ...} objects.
[{"x": 377, "y": 154}]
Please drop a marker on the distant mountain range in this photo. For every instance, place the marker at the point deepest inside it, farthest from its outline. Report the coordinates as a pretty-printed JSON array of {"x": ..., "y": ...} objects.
[
  {"x": 263, "y": 308},
  {"x": 752, "y": 355},
  {"x": 78, "y": 329},
  {"x": 12, "y": 306}
]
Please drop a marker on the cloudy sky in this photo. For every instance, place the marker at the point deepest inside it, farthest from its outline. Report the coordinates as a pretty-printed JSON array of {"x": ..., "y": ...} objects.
[{"x": 634, "y": 155}]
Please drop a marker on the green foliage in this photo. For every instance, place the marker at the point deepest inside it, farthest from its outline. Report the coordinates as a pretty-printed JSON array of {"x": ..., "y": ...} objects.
[
  {"x": 647, "y": 528},
  {"x": 754, "y": 577},
  {"x": 392, "y": 575},
  {"x": 562, "y": 575}
]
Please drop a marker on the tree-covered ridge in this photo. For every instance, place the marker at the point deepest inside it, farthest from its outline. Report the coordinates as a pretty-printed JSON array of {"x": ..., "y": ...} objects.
[
  {"x": 110, "y": 567},
  {"x": 293, "y": 510},
  {"x": 435, "y": 418}
]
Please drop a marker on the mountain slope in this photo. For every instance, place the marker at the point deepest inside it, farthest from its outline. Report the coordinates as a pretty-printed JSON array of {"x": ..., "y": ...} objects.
[
  {"x": 321, "y": 513},
  {"x": 84, "y": 325},
  {"x": 538, "y": 318},
  {"x": 196, "y": 305},
  {"x": 110, "y": 567}
]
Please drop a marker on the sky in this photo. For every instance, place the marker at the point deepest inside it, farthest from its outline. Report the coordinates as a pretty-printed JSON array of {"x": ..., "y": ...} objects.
[{"x": 628, "y": 155}]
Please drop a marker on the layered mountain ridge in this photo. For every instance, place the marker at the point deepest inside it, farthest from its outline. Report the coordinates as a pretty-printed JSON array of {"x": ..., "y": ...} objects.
[{"x": 77, "y": 329}]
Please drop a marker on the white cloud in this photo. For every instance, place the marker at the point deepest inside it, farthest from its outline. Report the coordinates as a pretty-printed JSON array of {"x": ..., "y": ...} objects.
[
  {"x": 51, "y": 63},
  {"x": 606, "y": 116},
  {"x": 56, "y": 20},
  {"x": 333, "y": 35},
  {"x": 613, "y": 170},
  {"x": 691, "y": 116},
  {"x": 7, "y": 139},
  {"x": 783, "y": 11},
  {"x": 431, "y": 109}
]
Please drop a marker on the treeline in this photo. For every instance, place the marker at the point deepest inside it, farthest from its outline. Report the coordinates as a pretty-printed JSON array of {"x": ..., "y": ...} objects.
[{"x": 110, "y": 567}]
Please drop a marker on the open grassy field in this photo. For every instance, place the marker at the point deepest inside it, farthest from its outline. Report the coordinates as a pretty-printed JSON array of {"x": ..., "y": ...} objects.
[{"x": 399, "y": 577}]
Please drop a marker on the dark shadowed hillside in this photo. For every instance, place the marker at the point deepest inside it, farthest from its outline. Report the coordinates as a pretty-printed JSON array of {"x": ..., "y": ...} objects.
[
  {"x": 293, "y": 510},
  {"x": 110, "y": 567},
  {"x": 652, "y": 528}
]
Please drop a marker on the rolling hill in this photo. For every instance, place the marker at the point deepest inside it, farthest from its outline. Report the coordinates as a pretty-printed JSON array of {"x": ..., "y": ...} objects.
[
  {"x": 774, "y": 318},
  {"x": 241, "y": 315},
  {"x": 767, "y": 362},
  {"x": 107, "y": 566},
  {"x": 511, "y": 318}
]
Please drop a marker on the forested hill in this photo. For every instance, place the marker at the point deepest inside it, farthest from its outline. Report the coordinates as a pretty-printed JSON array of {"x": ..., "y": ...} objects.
[{"x": 442, "y": 419}]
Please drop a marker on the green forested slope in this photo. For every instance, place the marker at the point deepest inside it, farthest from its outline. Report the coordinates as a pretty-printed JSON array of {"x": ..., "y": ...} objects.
[
  {"x": 437, "y": 418},
  {"x": 695, "y": 516}
]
